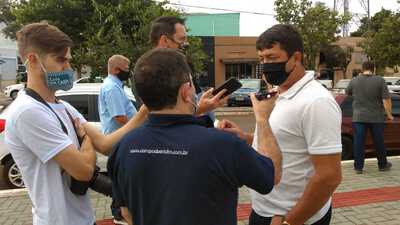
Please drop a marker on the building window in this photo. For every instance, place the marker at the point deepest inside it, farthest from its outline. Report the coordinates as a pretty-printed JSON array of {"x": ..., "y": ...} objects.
[{"x": 238, "y": 70}]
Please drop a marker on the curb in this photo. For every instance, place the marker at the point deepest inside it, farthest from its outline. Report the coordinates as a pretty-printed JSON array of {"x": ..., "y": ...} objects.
[{"x": 13, "y": 192}]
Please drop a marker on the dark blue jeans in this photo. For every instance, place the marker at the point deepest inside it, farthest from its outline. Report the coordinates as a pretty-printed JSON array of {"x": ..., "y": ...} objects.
[{"x": 360, "y": 132}]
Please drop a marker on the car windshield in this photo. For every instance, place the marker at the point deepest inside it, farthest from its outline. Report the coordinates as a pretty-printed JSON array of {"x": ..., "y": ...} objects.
[{"x": 249, "y": 86}]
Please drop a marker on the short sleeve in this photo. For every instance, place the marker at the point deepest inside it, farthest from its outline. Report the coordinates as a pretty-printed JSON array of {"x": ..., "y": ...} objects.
[
  {"x": 74, "y": 112},
  {"x": 385, "y": 90},
  {"x": 41, "y": 133},
  {"x": 113, "y": 173},
  {"x": 349, "y": 88},
  {"x": 253, "y": 169},
  {"x": 321, "y": 125},
  {"x": 114, "y": 103}
]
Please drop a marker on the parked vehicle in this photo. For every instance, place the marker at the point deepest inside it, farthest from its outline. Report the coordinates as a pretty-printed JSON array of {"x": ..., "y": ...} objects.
[
  {"x": 11, "y": 91},
  {"x": 86, "y": 80},
  {"x": 391, "y": 80},
  {"x": 85, "y": 99},
  {"x": 395, "y": 87},
  {"x": 241, "y": 97},
  {"x": 392, "y": 128}
]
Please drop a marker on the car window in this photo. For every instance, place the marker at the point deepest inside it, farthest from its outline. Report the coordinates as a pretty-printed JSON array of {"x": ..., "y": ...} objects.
[
  {"x": 96, "y": 116},
  {"x": 346, "y": 106},
  {"x": 79, "y": 102},
  {"x": 397, "y": 82}
]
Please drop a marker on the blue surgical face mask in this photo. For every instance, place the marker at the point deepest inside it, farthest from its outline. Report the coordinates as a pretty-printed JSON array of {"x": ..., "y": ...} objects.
[{"x": 62, "y": 80}]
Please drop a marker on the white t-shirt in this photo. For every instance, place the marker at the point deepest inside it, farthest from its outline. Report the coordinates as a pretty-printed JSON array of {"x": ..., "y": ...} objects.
[
  {"x": 34, "y": 136},
  {"x": 306, "y": 121}
]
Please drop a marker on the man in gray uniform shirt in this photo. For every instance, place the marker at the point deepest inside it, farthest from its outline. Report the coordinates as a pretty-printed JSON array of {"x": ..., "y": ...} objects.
[{"x": 370, "y": 101}]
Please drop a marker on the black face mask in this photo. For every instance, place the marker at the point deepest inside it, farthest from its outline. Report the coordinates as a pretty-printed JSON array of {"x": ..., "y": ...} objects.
[
  {"x": 275, "y": 73},
  {"x": 124, "y": 75}
]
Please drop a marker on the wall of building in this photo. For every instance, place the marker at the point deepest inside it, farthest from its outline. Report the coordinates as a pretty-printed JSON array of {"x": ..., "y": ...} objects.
[
  {"x": 230, "y": 50},
  {"x": 226, "y": 24}
]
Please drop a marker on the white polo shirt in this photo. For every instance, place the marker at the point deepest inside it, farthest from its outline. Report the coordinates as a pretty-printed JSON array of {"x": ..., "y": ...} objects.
[{"x": 306, "y": 121}]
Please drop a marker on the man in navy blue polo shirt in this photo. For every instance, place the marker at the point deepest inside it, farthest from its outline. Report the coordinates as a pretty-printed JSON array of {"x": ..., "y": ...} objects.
[{"x": 173, "y": 170}]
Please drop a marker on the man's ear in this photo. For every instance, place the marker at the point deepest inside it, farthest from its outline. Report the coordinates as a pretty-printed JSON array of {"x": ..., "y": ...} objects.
[
  {"x": 298, "y": 57},
  {"x": 163, "y": 42},
  {"x": 184, "y": 92}
]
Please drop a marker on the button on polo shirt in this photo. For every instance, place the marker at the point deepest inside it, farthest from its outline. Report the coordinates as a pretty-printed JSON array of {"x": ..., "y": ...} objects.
[
  {"x": 306, "y": 121},
  {"x": 173, "y": 171}
]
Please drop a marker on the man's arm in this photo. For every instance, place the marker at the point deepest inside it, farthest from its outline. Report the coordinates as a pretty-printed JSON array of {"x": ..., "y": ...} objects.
[
  {"x": 266, "y": 142},
  {"x": 318, "y": 190},
  {"x": 387, "y": 104},
  {"x": 104, "y": 143},
  {"x": 126, "y": 215},
  {"x": 121, "y": 120},
  {"x": 79, "y": 164},
  {"x": 232, "y": 127}
]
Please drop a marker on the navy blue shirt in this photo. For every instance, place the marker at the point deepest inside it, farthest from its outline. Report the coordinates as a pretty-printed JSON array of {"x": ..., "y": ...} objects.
[{"x": 172, "y": 171}]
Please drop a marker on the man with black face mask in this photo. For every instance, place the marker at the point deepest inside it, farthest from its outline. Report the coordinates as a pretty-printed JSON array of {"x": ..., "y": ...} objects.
[
  {"x": 115, "y": 108},
  {"x": 306, "y": 121}
]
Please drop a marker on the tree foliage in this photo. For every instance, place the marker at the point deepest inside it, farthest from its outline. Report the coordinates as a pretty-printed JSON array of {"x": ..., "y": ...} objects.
[
  {"x": 372, "y": 25},
  {"x": 99, "y": 28},
  {"x": 318, "y": 25},
  {"x": 383, "y": 45},
  {"x": 337, "y": 56}
]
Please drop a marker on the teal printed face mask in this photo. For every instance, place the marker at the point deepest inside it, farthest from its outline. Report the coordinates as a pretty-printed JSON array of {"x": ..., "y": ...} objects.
[{"x": 63, "y": 80}]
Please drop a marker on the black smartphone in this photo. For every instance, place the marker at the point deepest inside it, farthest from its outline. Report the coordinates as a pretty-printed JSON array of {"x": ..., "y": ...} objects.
[
  {"x": 266, "y": 95},
  {"x": 230, "y": 85}
]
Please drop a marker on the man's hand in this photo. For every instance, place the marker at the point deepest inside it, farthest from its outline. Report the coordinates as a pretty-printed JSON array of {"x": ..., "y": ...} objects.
[
  {"x": 262, "y": 109},
  {"x": 232, "y": 127},
  {"x": 390, "y": 117},
  {"x": 208, "y": 102}
]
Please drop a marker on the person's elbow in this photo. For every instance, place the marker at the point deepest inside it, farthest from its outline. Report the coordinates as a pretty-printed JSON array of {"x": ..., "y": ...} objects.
[
  {"x": 331, "y": 179},
  {"x": 271, "y": 178},
  {"x": 85, "y": 174}
]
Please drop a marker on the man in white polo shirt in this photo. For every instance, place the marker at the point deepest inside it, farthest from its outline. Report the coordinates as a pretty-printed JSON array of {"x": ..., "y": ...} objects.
[{"x": 306, "y": 122}]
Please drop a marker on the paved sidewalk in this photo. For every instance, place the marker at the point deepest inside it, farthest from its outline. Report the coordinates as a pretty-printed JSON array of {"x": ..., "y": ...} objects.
[{"x": 361, "y": 199}]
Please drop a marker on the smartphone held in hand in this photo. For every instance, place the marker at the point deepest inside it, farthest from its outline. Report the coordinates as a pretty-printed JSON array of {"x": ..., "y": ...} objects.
[
  {"x": 230, "y": 85},
  {"x": 267, "y": 95}
]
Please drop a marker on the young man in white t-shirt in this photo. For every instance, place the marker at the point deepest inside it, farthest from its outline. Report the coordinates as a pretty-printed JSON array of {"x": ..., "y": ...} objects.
[
  {"x": 41, "y": 135},
  {"x": 306, "y": 122}
]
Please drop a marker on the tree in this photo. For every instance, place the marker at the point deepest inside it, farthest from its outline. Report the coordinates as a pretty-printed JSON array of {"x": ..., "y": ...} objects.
[
  {"x": 383, "y": 46},
  {"x": 68, "y": 15},
  {"x": 337, "y": 57},
  {"x": 99, "y": 28},
  {"x": 318, "y": 25},
  {"x": 373, "y": 25}
]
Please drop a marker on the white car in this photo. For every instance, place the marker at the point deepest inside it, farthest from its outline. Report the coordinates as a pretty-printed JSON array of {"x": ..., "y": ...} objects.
[
  {"x": 86, "y": 80},
  {"x": 85, "y": 99},
  {"x": 12, "y": 90},
  {"x": 395, "y": 88}
]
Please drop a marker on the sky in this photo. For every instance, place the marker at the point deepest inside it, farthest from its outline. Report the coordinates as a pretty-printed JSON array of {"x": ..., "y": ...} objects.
[{"x": 255, "y": 24}]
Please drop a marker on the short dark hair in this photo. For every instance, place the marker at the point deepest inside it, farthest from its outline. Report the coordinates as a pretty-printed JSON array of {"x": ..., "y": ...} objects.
[
  {"x": 164, "y": 25},
  {"x": 368, "y": 65},
  {"x": 42, "y": 38},
  {"x": 158, "y": 75},
  {"x": 285, "y": 35}
]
